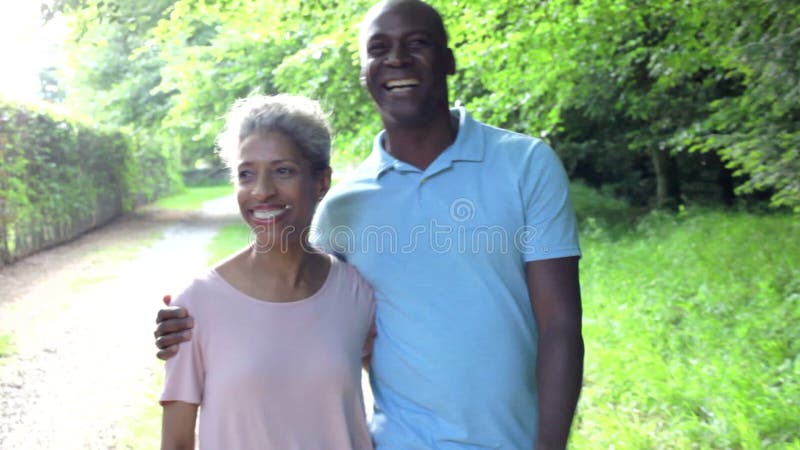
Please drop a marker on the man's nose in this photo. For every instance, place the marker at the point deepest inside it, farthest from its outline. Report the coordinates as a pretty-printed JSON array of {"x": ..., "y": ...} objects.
[{"x": 397, "y": 55}]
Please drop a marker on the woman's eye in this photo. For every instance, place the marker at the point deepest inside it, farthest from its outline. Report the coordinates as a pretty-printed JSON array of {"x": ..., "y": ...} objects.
[{"x": 284, "y": 172}]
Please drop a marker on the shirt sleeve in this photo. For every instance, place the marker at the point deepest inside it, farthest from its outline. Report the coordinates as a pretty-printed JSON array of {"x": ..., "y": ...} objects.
[
  {"x": 371, "y": 333},
  {"x": 365, "y": 297},
  {"x": 551, "y": 229},
  {"x": 320, "y": 228},
  {"x": 328, "y": 230},
  {"x": 184, "y": 373}
]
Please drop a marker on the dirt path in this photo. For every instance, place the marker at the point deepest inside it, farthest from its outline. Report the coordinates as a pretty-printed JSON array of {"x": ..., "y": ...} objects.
[{"x": 81, "y": 316}]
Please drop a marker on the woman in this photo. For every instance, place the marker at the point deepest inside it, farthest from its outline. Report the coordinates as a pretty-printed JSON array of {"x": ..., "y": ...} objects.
[{"x": 275, "y": 362}]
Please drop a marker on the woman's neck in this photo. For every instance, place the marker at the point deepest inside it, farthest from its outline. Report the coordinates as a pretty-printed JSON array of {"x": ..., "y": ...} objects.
[{"x": 288, "y": 263}]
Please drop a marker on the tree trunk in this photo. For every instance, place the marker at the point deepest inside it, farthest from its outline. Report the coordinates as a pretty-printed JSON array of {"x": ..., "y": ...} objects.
[
  {"x": 4, "y": 256},
  {"x": 725, "y": 182},
  {"x": 668, "y": 192}
]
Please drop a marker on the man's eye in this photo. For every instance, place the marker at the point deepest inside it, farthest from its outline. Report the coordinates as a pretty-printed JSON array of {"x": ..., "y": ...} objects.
[
  {"x": 245, "y": 175},
  {"x": 418, "y": 43},
  {"x": 376, "y": 49}
]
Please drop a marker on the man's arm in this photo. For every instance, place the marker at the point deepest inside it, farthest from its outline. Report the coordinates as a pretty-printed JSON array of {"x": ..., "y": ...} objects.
[
  {"x": 174, "y": 325},
  {"x": 366, "y": 355},
  {"x": 177, "y": 426},
  {"x": 554, "y": 290}
]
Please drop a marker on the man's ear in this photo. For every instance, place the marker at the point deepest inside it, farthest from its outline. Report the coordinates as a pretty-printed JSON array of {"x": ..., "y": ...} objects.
[{"x": 451, "y": 61}]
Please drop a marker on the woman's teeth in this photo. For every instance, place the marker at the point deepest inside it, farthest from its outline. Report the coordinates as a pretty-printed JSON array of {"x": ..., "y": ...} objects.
[{"x": 263, "y": 214}]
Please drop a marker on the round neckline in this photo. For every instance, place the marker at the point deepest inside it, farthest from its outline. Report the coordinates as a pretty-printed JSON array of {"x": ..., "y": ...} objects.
[{"x": 304, "y": 300}]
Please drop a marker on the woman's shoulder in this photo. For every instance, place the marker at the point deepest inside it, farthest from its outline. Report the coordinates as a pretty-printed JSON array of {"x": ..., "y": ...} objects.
[
  {"x": 199, "y": 289},
  {"x": 344, "y": 269},
  {"x": 350, "y": 280}
]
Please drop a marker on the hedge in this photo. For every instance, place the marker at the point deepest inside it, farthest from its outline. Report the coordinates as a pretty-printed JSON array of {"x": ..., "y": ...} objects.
[{"x": 61, "y": 177}]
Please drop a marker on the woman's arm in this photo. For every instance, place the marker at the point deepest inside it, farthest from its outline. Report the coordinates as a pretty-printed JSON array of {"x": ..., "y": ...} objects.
[{"x": 177, "y": 426}]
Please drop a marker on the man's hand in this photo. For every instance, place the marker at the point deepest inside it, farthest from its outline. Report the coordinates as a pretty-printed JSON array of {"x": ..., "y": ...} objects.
[{"x": 174, "y": 325}]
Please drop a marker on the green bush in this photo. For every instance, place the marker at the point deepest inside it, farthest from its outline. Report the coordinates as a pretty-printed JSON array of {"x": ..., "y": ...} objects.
[{"x": 60, "y": 177}]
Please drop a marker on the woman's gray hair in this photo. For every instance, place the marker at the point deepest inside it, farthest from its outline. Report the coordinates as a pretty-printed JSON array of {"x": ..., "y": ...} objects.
[{"x": 299, "y": 118}]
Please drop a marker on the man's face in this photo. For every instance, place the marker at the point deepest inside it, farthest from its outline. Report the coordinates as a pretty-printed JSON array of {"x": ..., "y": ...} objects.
[{"x": 405, "y": 62}]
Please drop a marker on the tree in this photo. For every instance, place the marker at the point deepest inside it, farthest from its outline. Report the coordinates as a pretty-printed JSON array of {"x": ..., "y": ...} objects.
[
  {"x": 648, "y": 97},
  {"x": 758, "y": 131},
  {"x": 116, "y": 72}
]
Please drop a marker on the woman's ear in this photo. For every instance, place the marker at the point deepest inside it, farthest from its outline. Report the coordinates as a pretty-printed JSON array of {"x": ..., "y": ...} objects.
[{"x": 324, "y": 182}]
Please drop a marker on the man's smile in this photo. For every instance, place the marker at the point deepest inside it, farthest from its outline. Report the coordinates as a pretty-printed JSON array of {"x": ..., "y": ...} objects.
[{"x": 401, "y": 85}]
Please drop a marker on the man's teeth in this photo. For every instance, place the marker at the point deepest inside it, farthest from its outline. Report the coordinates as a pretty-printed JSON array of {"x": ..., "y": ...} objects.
[
  {"x": 402, "y": 84},
  {"x": 262, "y": 214}
]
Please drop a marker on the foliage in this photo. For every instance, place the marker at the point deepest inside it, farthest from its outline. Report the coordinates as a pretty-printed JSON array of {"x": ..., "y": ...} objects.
[
  {"x": 211, "y": 176},
  {"x": 192, "y": 199},
  {"x": 625, "y": 90},
  {"x": 598, "y": 211},
  {"x": 115, "y": 72},
  {"x": 604, "y": 80},
  {"x": 58, "y": 178},
  {"x": 260, "y": 47},
  {"x": 690, "y": 326},
  {"x": 759, "y": 130}
]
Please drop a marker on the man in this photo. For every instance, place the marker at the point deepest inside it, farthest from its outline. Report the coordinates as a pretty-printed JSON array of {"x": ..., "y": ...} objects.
[{"x": 468, "y": 235}]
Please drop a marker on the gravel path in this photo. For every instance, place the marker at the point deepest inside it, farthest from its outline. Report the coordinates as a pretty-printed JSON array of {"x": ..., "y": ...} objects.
[{"x": 82, "y": 317}]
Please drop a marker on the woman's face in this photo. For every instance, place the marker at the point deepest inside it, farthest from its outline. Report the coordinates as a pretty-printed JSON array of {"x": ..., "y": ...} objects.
[{"x": 276, "y": 189}]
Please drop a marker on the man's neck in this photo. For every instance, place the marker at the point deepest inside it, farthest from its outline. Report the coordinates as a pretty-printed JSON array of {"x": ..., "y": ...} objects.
[{"x": 420, "y": 145}]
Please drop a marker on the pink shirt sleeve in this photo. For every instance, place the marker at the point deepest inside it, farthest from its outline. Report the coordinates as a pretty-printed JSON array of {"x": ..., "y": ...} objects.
[
  {"x": 184, "y": 373},
  {"x": 366, "y": 291}
]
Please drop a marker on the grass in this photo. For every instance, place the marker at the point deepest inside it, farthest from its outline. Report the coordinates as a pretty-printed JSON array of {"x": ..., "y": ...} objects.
[
  {"x": 596, "y": 209},
  {"x": 691, "y": 330},
  {"x": 192, "y": 198},
  {"x": 143, "y": 429},
  {"x": 7, "y": 347},
  {"x": 229, "y": 239}
]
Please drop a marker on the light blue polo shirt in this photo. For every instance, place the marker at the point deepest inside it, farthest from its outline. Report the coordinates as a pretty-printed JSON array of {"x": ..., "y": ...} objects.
[{"x": 445, "y": 249}]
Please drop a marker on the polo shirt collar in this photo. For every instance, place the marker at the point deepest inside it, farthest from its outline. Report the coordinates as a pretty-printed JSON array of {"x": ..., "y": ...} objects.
[{"x": 465, "y": 148}]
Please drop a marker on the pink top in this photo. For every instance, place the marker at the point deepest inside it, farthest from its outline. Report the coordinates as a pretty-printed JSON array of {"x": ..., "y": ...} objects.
[{"x": 272, "y": 375}]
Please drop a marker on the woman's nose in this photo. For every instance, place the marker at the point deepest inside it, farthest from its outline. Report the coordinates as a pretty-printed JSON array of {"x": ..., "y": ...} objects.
[{"x": 263, "y": 187}]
